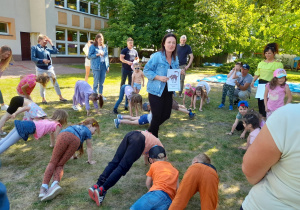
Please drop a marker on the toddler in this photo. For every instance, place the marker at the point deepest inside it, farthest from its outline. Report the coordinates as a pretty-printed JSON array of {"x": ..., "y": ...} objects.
[
  {"x": 137, "y": 77},
  {"x": 190, "y": 92},
  {"x": 229, "y": 86},
  {"x": 165, "y": 182},
  {"x": 275, "y": 92}
]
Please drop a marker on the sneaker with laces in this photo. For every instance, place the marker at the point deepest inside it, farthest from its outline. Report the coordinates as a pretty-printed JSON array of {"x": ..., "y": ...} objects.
[
  {"x": 2, "y": 133},
  {"x": 91, "y": 191},
  {"x": 99, "y": 195},
  {"x": 119, "y": 116},
  {"x": 230, "y": 107},
  {"x": 221, "y": 106},
  {"x": 192, "y": 115},
  {"x": 75, "y": 107},
  {"x": 43, "y": 192},
  {"x": 4, "y": 107},
  {"x": 117, "y": 123},
  {"x": 52, "y": 193},
  {"x": 115, "y": 111}
]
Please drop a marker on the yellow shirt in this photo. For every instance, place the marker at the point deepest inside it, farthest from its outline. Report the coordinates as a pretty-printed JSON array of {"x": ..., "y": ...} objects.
[{"x": 265, "y": 70}]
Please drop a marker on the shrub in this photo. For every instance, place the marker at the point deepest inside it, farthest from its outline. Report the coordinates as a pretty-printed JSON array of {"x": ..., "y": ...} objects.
[{"x": 252, "y": 62}]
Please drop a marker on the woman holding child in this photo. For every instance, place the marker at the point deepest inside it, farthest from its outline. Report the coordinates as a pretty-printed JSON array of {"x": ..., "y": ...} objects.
[{"x": 156, "y": 71}]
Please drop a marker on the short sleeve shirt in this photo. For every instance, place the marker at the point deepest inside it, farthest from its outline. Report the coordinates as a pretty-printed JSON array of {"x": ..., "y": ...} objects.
[
  {"x": 130, "y": 55},
  {"x": 230, "y": 80},
  {"x": 150, "y": 141},
  {"x": 128, "y": 91},
  {"x": 191, "y": 93},
  {"x": 34, "y": 112},
  {"x": 81, "y": 131},
  {"x": 30, "y": 80},
  {"x": 239, "y": 116},
  {"x": 253, "y": 134},
  {"x": 276, "y": 97},
  {"x": 247, "y": 79},
  {"x": 265, "y": 70},
  {"x": 182, "y": 53},
  {"x": 205, "y": 84},
  {"x": 44, "y": 127}
]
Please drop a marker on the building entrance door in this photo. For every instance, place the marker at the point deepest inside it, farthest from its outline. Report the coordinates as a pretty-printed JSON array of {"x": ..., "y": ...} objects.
[{"x": 25, "y": 46}]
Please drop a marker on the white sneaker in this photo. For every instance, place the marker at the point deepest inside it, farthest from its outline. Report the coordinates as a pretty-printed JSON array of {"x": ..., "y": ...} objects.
[
  {"x": 4, "y": 107},
  {"x": 104, "y": 99},
  {"x": 2, "y": 133},
  {"x": 75, "y": 107},
  {"x": 78, "y": 107}
]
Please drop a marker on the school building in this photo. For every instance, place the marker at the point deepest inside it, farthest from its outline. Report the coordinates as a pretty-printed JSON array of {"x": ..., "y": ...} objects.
[{"x": 68, "y": 23}]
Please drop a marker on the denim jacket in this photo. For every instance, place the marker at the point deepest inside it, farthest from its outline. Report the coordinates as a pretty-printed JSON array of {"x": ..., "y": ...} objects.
[
  {"x": 39, "y": 53},
  {"x": 158, "y": 65},
  {"x": 95, "y": 60}
]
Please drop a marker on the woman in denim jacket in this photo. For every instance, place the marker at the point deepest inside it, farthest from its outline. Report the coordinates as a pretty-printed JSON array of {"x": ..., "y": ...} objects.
[
  {"x": 156, "y": 71},
  {"x": 98, "y": 53}
]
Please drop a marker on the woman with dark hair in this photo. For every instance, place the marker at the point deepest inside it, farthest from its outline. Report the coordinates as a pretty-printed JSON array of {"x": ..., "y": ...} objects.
[
  {"x": 98, "y": 54},
  {"x": 5, "y": 58},
  {"x": 265, "y": 71},
  {"x": 156, "y": 71}
]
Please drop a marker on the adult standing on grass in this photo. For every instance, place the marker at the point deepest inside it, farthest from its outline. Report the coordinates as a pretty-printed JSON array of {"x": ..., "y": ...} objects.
[
  {"x": 183, "y": 51},
  {"x": 98, "y": 53},
  {"x": 87, "y": 61},
  {"x": 156, "y": 71},
  {"x": 41, "y": 56},
  {"x": 265, "y": 71},
  {"x": 5, "y": 58},
  {"x": 270, "y": 164},
  {"x": 127, "y": 56}
]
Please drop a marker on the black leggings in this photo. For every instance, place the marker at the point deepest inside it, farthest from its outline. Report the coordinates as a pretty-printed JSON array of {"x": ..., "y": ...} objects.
[
  {"x": 161, "y": 108},
  {"x": 261, "y": 103},
  {"x": 14, "y": 104}
]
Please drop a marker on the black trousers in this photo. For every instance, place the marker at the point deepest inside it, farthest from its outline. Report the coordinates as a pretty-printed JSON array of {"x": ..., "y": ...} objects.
[
  {"x": 261, "y": 103},
  {"x": 161, "y": 108},
  {"x": 130, "y": 150}
]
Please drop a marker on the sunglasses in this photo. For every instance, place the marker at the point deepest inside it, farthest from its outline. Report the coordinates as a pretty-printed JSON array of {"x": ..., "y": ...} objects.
[{"x": 137, "y": 68}]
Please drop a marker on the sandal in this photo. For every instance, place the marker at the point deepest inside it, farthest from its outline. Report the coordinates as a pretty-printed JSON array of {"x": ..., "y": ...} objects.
[
  {"x": 63, "y": 100},
  {"x": 44, "y": 102}
]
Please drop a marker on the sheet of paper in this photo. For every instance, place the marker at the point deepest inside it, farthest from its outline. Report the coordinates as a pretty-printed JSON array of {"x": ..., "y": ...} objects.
[
  {"x": 174, "y": 79},
  {"x": 260, "y": 92}
]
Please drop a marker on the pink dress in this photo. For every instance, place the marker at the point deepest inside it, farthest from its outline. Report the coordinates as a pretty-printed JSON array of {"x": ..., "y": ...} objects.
[
  {"x": 190, "y": 94},
  {"x": 44, "y": 127},
  {"x": 30, "y": 80},
  {"x": 276, "y": 97}
]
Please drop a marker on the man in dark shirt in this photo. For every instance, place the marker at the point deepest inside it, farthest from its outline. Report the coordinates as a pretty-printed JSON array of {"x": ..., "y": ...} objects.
[
  {"x": 183, "y": 50},
  {"x": 127, "y": 56}
]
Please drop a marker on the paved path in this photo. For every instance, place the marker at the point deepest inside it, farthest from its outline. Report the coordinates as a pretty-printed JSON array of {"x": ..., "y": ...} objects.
[{"x": 28, "y": 67}]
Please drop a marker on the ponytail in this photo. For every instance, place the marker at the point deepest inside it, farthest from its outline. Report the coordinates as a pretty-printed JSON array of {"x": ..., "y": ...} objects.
[{"x": 100, "y": 98}]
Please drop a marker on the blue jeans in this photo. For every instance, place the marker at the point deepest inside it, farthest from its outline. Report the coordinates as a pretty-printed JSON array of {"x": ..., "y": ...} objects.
[
  {"x": 158, "y": 200},
  {"x": 121, "y": 96},
  {"x": 125, "y": 74},
  {"x": 99, "y": 78}
]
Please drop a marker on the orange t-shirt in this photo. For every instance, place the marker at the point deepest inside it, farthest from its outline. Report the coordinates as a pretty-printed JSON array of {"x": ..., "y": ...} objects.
[
  {"x": 164, "y": 177},
  {"x": 150, "y": 141}
]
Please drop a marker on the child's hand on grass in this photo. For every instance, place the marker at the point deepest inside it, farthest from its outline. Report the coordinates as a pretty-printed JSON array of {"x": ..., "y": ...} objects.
[
  {"x": 230, "y": 133},
  {"x": 242, "y": 136}
]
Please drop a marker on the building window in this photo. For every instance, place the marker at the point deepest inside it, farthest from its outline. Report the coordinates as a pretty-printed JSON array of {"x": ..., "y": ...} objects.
[
  {"x": 81, "y": 49},
  {"x": 83, "y": 36},
  {"x": 72, "y": 4},
  {"x": 3, "y": 28},
  {"x": 60, "y": 3},
  {"x": 61, "y": 48},
  {"x": 72, "y": 36},
  {"x": 93, "y": 36},
  {"x": 60, "y": 34},
  {"x": 84, "y": 6},
  {"x": 72, "y": 49},
  {"x": 94, "y": 9}
]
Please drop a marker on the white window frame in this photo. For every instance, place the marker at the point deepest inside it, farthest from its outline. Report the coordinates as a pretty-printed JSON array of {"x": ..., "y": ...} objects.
[{"x": 7, "y": 29}]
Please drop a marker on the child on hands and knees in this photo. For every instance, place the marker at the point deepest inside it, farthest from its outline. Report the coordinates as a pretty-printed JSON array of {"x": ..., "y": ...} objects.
[
  {"x": 251, "y": 123},
  {"x": 201, "y": 92},
  {"x": 68, "y": 142},
  {"x": 83, "y": 94},
  {"x": 200, "y": 177},
  {"x": 19, "y": 104},
  {"x": 190, "y": 92},
  {"x": 238, "y": 125},
  {"x": 137, "y": 77},
  {"x": 28, "y": 82},
  {"x": 134, "y": 144},
  {"x": 275, "y": 92},
  {"x": 165, "y": 182},
  {"x": 37, "y": 127}
]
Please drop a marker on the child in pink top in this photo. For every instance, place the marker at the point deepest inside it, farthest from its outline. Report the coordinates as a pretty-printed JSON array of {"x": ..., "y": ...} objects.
[
  {"x": 190, "y": 92},
  {"x": 38, "y": 128},
  {"x": 275, "y": 92},
  {"x": 28, "y": 82}
]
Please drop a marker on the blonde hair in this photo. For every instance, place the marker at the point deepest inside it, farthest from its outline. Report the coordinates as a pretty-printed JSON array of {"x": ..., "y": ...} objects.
[
  {"x": 203, "y": 93},
  {"x": 202, "y": 157},
  {"x": 5, "y": 62},
  {"x": 61, "y": 116},
  {"x": 43, "y": 79},
  {"x": 135, "y": 100},
  {"x": 41, "y": 37}
]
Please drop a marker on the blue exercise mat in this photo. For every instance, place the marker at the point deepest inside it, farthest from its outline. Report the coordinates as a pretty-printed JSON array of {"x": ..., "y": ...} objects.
[
  {"x": 213, "y": 64},
  {"x": 294, "y": 87}
]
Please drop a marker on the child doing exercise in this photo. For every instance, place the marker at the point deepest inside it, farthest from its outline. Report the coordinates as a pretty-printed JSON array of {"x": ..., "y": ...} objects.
[
  {"x": 201, "y": 92},
  {"x": 190, "y": 92},
  {"x": 82, "y": 94},
  {"x": 275, "y": 92},
  {"x": 38, "y": 128},
  {"x": 137, "y": 77},
  {"x": 68, "y": 142}
]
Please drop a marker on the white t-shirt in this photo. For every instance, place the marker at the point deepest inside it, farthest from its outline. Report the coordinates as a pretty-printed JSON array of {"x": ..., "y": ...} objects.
[
  {"x": 205, "y": 84},
  {"x": 128, "y": 92},
  {"x": 230, "y": 80},
  {"x": 280, "y": 188}
]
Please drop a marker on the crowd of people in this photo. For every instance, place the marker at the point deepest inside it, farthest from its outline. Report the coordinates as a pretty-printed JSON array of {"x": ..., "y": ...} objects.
[{"x": 272, "y": 148}]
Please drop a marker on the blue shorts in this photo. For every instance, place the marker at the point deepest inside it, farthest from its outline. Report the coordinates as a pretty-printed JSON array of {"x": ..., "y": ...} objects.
[
  {"x": 143, "y": 119},
  {"x": 137, "y": 86},
  {"x": 157, "y": 199}
]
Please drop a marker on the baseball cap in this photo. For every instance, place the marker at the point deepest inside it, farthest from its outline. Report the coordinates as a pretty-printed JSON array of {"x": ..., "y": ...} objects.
[
  {"x": 145, "y": 106},
  {"x": 187, "y": 86},
  {"x": 243, "y": 103},
  {"x": 157, "y": 152},
  {"x": 279, "y": 73},
  {"x": 246, "y": 66}
]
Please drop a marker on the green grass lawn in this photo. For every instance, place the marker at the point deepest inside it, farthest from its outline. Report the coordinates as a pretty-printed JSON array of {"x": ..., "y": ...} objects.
[{"x": 23, "y": 164}]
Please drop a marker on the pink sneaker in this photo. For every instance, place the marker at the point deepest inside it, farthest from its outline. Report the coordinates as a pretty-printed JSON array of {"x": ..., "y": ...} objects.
[{"x": 43, "y": 192}]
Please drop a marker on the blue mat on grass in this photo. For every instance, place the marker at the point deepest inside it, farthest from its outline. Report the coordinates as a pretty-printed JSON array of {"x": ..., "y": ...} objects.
[{"x": 294, "y": 87}]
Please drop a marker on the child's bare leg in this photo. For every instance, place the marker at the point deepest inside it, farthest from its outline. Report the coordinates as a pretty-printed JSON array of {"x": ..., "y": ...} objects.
[
  {"x": 3, "y": 119},
  {"x": 184, "y": 110},
  {"x": 195, "y": 99},
  {"x": 128, "y": 117},
  {"x": 129, "y": 122}
]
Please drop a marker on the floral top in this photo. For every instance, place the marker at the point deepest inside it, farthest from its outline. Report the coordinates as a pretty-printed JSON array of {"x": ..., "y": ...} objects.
[{"x": 28, "y": 79}]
